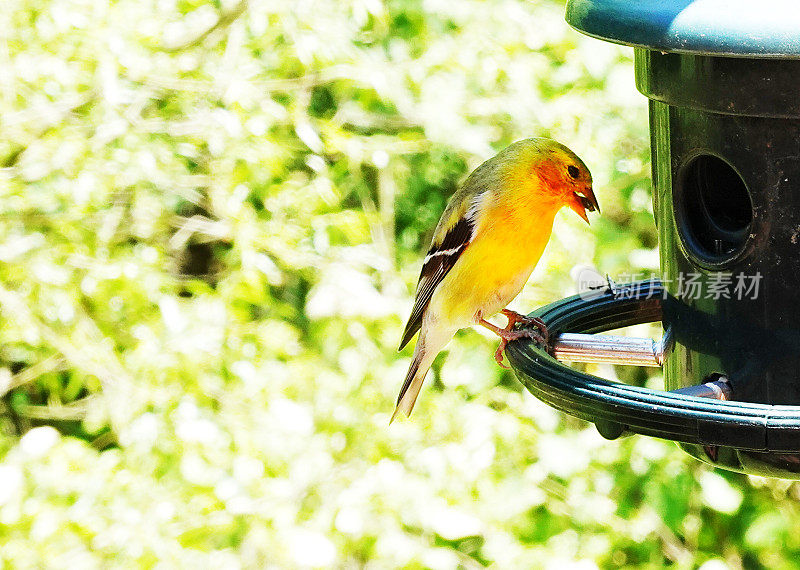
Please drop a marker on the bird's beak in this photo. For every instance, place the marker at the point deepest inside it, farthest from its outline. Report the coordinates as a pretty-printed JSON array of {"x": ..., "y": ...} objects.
[{"x": 584, "y": 200}]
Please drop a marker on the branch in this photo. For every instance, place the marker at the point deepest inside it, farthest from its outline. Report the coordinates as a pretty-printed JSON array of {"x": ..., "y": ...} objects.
[{"x": 225, "y": 20}]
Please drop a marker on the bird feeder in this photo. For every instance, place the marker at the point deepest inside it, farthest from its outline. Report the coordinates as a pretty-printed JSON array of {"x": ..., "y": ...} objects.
[{"x": 723, "y": 82}]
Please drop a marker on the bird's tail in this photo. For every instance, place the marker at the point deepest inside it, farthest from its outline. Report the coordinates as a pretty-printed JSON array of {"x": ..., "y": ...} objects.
[{"x": 428, "y": 346}]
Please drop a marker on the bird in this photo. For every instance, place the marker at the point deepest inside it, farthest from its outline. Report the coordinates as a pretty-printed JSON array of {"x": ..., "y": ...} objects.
[{"x": 487, "y": 242}]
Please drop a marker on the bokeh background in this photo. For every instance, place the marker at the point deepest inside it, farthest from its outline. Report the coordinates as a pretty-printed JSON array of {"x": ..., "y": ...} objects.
[{"x": 213, "y": 218}]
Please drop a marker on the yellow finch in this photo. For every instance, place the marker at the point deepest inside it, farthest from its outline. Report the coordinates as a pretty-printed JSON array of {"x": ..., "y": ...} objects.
[{"x": 485, "y": 247}]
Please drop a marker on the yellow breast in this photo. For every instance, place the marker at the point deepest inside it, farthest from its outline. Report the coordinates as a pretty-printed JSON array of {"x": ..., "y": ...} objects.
[{"x": 495, "y": 266}]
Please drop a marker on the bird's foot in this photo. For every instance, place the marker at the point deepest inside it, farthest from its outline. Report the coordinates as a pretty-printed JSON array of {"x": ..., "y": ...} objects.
[
  {"x": 515, "y": 335},
  {"x": 539, "y": 334},
  {"x": 498, "y": 355},
  {"x": 514, "y": 318}
]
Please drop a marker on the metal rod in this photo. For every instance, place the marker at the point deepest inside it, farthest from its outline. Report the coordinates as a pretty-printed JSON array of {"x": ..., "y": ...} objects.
[
  {"x": 610, "y": 349},
  {"x": 718, "y": 390},
  {"x": 634, "y": 351}
]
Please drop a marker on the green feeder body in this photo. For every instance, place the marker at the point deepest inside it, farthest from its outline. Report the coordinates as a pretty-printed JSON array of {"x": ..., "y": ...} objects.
[{"x": 723, "y": 82}]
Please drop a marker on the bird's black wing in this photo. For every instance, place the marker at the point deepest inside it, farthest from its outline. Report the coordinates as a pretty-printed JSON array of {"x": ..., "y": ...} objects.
[{"x": 439, "y": 261}]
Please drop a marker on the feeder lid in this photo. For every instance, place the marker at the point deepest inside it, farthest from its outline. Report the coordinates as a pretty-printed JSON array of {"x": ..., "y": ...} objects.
[{"x": 742, "y": 28}]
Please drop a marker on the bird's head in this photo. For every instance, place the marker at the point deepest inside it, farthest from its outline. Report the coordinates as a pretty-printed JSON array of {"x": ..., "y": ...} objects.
[{"x": 563, "y": 178}]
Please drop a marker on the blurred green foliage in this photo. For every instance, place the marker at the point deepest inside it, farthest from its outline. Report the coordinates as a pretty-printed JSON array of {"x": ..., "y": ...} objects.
[{"x": 213, "y": 215}]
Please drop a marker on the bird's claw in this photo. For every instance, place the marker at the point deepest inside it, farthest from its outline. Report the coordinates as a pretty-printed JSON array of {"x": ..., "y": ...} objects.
[
  {"x": 515, "y": 335},
  {"x": 537, "y": 332},
  {"x": 498, "y": 355},
  {"x": 515, "y": 318}
]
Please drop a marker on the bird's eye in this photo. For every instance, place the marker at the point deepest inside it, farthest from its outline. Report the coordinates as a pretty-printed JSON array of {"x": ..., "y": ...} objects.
[{"x": 573, "y": 172}]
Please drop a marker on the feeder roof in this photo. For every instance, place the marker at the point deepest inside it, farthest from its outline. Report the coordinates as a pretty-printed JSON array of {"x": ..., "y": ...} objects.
[{"x": 742, "y": 28}]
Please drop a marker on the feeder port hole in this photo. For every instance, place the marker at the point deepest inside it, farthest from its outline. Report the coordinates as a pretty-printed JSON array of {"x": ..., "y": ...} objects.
[{"x": 713, "y": 209}]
